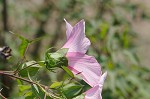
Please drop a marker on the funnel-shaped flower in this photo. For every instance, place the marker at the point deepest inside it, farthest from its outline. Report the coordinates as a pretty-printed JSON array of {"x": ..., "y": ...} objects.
[
  {"x": 76, "y": 39},
  {"x": 80, "y": 63},
  {"x": 95, "y": 92}
]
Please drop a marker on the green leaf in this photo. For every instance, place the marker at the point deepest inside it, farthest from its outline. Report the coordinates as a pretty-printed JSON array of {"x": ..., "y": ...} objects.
[
  {"x": 67, "y": 71},
  {"x": 23, "y": 46},
  {"x": 80, "y": 96},
  {"x": 23, "y": 87},
  {"x": 24, "y": 90},
  {"x": 29, "y": 95},
  {"x": 56, "y": 84},
  {"x": 37, "y": 39},
  {"x": 36, "y": 88},
  {"x": 38, "y": 91},
  {"x": 72, "y": 90},
  {"x": 30, "y": 67}
]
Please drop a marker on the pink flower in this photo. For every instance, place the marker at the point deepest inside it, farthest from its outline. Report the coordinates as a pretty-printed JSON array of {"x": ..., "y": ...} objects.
[
  {"x": 95, "y": 92},
  {"x": 76, "y": 39},
  {"x": 80, "y": 63}
]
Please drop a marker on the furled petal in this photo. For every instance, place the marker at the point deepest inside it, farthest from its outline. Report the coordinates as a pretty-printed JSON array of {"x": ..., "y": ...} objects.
[
  {"x": 68, "y": 29},
  {"x": 93, "y": 93},
  {"x": 86, "y": 66},
  {"x": 76, "y": 40},
  {"x": 101, "y": 81},
  {"x": 102, "y": 78}
]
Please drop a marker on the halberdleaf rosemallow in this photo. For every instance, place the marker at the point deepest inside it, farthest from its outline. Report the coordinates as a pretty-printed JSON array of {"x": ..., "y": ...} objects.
[{"x": 80, "y": 63}]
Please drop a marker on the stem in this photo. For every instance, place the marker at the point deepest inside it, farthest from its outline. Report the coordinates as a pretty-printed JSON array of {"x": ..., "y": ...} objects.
[
  {"x": 45, "y": 96},
  {"x": 26, "y": 80},
  {"x": 16, "y": 71},
  {"x": 5, "y": 15},
  {"x": 2, "y": 96}
]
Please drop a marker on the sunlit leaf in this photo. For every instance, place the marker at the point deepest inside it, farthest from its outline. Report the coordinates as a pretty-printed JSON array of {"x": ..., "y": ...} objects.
[
  {"x": 23, "y": 46},
  {"x": 80, "y": 96},
  {"x": 24, "y": 87},
  {"x": 56, "y": 84}
]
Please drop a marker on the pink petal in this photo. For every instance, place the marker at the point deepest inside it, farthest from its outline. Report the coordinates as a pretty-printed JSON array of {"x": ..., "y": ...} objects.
[
  {"x": 68, "y": 29},
  {"x": 93, "y": 93},
  {"x": 74, "y": 71},
  {"x": 76, "y": 40},
  {"x": 86, "y": 66}
]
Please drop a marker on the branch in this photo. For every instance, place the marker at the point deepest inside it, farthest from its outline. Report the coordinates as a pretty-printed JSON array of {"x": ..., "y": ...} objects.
[{"x": 26, "y": 80}]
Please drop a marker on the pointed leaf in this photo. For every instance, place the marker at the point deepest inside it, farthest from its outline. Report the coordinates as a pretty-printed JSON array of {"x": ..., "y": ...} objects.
[
  {"x": 67, "y": 71},
  {"x": 72, "y": 90},
  {"x": 56, "y": 84},
  {"x": 23, "y": 46},
  {"x": 38, "y": 91},
  {"x": 30, "y": 67}
]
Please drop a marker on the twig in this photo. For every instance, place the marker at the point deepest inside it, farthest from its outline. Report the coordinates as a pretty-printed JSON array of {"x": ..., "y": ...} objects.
[
  {"x": 28, "y": 81},
  {"x": 2, "y": 96}
]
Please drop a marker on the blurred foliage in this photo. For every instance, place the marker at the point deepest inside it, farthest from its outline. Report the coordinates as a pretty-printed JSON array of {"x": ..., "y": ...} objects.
[{"x": 108, "y": 26}]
